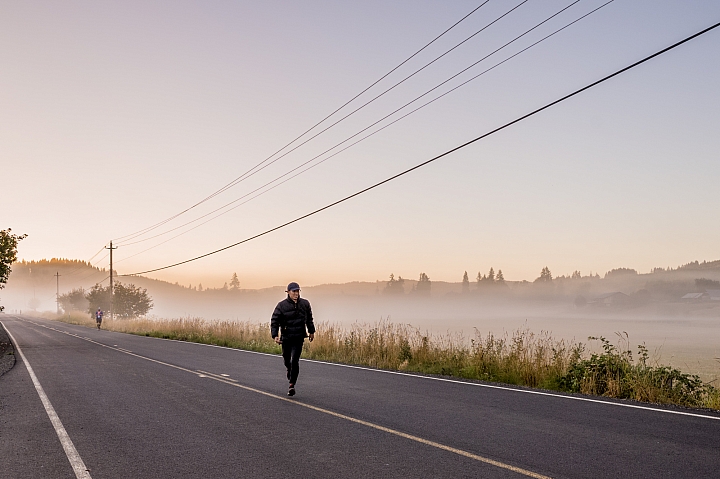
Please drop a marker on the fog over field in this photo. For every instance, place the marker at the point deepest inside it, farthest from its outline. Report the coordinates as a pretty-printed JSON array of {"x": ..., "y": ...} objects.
[{"x": 648, "y": 307}]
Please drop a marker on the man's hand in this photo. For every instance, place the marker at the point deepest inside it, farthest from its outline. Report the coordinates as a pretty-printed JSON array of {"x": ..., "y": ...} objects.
[
  {"x": 311, "y": 337},
  {"x": 277, "y": 339}
]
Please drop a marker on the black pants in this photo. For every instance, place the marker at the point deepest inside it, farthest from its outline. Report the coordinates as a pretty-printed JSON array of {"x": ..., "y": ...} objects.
[{"x": 291, "y": 349}]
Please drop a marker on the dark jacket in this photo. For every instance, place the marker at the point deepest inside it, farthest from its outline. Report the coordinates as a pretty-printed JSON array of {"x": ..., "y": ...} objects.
[{"x": 292, "y": 318}]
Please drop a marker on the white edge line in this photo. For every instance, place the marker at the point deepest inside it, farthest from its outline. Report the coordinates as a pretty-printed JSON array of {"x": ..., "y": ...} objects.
[
  {"x": 454, "y": 381},
  {"x": 81, "y": 471}
]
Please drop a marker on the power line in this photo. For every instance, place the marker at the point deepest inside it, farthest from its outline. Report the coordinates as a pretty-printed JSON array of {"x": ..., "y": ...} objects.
[
  {"x": 374, "y": 132},
  {"x": 232, "y": 183},
  {"x": 257, "y": 168},
  {"x": 251, "y": 172},
  {"x": 102, "y": 258},
  {"x": 420, "y": 165},
  {"x": 92, "y": 273},
  {"x": 93, "y": 266},
  {"x": 74, "y": 271},
  {"x": 364, "y": 129}
]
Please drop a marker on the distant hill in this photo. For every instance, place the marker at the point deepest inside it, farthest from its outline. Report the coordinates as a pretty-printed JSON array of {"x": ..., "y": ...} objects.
[
  {"x": 705, "y": 265},
  {"x": 36, "y": 279}
]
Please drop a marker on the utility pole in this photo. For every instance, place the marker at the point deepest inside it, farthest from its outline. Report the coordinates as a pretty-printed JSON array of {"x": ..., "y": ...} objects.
[
  {"x": 57, "y": 293},
  {"x": 111, "y": 279}
]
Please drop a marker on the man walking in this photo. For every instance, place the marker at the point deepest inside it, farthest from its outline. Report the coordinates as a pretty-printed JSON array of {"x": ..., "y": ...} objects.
[
  {"x": 98, "y": 317},
  {"x": 288, "y": 327}
]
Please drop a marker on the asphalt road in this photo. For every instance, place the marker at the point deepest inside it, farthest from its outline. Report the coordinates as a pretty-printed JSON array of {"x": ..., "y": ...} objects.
[{"x": 136, "y": 407}]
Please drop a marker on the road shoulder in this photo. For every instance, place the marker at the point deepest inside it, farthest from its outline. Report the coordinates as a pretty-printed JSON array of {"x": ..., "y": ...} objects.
[{"x": 7, "y": 352}]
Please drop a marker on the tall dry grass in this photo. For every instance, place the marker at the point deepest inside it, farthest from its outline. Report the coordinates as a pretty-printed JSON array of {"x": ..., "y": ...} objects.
[
  {"x": 521, "y": 358},
  {"x": 232, "y": 334}
]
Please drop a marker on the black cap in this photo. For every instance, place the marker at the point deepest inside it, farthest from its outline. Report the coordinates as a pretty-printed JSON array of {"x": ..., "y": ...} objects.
[{"x": 292, "y": 287}]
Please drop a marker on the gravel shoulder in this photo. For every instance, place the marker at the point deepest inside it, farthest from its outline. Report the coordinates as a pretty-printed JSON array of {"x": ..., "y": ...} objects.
[{"x": 7, "y": 352}]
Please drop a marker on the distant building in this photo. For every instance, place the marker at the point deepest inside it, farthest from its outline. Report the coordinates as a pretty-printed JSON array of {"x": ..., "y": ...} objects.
[
  {"x": 708, "y": 295},
  {"x": 610, "y": 299},
  {"x": 713, "y": 294},
  {"x": 693, "y": 297}
]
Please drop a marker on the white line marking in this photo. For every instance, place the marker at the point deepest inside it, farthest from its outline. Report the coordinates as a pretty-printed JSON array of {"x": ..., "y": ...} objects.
[
  {"x": 454, "y": 381},
  {"x": 219, "y": 376},
  {"x": 388, "y": 430},
  {"x": 81, "y": 472}
]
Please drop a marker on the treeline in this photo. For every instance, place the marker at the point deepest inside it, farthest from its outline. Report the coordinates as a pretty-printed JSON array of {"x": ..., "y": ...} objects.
[
  {"x": 423, "y": 286},
  {"x": 490, "y": 280},
  {"x": 619, "y": 286},
  {"x": 234, "y": 285},
  {"x": 395, "y": 287},
  {"x": 661, "y": 286}
]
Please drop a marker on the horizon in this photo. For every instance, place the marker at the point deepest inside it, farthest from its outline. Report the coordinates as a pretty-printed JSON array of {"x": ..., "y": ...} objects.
[{"x": 471, "y": 277}]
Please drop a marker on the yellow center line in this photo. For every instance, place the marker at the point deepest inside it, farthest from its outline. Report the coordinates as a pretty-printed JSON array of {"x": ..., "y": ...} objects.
[{"x": 378, "y": 427}]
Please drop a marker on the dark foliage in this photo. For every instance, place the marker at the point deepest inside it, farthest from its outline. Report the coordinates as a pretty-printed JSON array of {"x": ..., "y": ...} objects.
[
  {"x": 75, "y": 300},
  {"x": 129, "y": 301},
  {"x": 8, "y": 254}
]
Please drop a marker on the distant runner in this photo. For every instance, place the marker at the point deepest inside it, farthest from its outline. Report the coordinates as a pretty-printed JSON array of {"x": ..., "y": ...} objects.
[
  {"x": 98, "y": 317},
  {"x": 291, "y": 318}
]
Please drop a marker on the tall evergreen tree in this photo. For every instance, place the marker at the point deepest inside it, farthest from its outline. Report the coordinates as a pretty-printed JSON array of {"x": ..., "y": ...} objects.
[
  {"x": 465, "y": 282},
  {"x": 395, "y": 286},
  {"x": 424, "y": 284},
  {"x": 491, "y": 275},
  {"x": 500, "y": 278},
  {"x": 234, "y": 282},
  {"x": 545, "y": 276}
]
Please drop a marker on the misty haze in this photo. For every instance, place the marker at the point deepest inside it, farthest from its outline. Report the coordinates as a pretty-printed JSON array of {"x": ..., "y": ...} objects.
[{"x": 675, "y": 312}]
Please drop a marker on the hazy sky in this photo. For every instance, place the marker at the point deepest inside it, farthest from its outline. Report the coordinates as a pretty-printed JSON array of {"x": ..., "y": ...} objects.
[{"x": 117, "y": 115}]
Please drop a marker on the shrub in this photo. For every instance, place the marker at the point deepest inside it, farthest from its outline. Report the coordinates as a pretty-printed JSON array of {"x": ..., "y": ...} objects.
[{"x": 613, "y": 373}]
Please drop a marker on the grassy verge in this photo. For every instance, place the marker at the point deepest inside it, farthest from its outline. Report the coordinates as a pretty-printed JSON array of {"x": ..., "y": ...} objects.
[{"x": 522, "y": 358}]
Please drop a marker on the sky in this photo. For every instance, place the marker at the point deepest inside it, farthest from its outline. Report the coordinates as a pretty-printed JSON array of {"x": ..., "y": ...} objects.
[{"x": 115, "y": 116}]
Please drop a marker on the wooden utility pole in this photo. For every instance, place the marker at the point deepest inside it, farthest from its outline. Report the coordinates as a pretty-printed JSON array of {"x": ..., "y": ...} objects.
[
  {"x": 57, "y": 293},
  {"x": 111, "y": 279}
]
